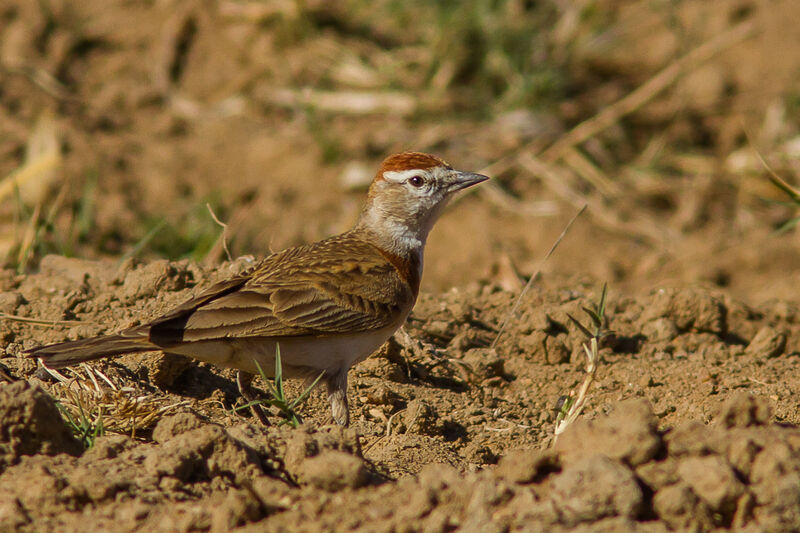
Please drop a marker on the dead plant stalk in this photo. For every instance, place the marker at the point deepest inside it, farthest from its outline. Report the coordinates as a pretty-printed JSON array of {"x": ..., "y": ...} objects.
[
  {"x": 535, "y": 275},
  {"x": 562, "y": 423},
  {"x": 572, "y": 405}
]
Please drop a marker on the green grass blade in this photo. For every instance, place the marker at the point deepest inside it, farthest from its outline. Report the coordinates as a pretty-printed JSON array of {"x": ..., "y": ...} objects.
[
  {"x": 267, "y": 383},
  {"x": 139, "y": 246},
  {"x": 86, "y": 208},
  {"x": 782, "y": 203},
  {"x": 300, "y": 399},
  {"x": 787, "y": 189},
  {"x": 788, "y": 225},
  {"x": 99, "y": 427},
  {"x": 593, "y": 316},
  {"x": 279, "y": 373},
  {"x": 579, "y": 325},
  {"x": 248, "y": 405},
  {"x": 276, "y": 390},
  {"x": 601, "y": 309}
]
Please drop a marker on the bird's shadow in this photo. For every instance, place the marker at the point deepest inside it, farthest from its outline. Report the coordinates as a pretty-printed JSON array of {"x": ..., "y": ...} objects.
[{"x": 200, "y": 382}]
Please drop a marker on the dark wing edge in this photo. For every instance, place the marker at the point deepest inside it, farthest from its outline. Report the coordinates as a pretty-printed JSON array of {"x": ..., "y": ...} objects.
[{"x": 166, "y": 329}]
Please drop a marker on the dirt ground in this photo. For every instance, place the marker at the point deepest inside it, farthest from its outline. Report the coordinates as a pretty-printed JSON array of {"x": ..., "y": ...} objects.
[{"x": 125, "y": 123}]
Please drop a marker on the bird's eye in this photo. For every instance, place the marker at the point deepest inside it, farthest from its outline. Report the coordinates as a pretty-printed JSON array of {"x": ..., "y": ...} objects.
[{"x": 416, "y": 181}]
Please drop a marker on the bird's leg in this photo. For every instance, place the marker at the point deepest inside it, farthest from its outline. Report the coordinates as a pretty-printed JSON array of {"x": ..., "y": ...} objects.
[
  {"x": 337, "y": 395},
  {"x": 243, "y": 381}
]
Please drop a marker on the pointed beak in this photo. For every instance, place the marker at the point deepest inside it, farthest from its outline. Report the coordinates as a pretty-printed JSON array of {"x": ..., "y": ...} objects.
[{"x": 462, "y": 180}]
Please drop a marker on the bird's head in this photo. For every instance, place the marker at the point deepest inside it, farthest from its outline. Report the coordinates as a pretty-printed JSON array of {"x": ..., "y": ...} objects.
[{"x": 407, "y": 195}]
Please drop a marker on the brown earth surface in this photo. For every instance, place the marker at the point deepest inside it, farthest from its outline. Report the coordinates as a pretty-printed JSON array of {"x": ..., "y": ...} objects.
[{"x": 125, "y": 119}]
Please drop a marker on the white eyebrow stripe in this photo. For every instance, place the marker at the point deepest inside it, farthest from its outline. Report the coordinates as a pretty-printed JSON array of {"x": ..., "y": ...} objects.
[{"x": 400, "y": 176}]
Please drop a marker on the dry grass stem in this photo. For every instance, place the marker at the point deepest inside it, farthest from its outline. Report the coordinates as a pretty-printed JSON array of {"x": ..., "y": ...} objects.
[
  {"x": 92, "y": 408},
  {"x": 39, "y": 321},
  {"x": 780, "y": 183},
  {"x": 103, "y": 377},
  {"x": 387, "y": 432},
  {"x": 590, "y": 172},
  {"x": 122, "y": 410},
  {"x": 573, "y": 404},
  {"x": 345, "y": 102},
  {"x": 389, "y": 423},
  {"x": 649, "y": 90},
  {"x": 500, "y": 198},
  {"x": 565, "y": 146},
  {"x": 29, "y": 236},
  {"x": 553, "y": 176},
  {"x": 224, "y": 236},
  {"x": 42, "y": 160},
  {"x": 40, "y": 78},
  {"x": 576, "y": 406},
  {"x": 89, "y": 373},
  {"x": 535, "y": 275},
  {"x": 56, "y": 374}
]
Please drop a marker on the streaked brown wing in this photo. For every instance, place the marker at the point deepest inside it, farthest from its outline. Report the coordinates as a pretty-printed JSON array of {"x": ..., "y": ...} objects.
[{"x": 316, "y": 289}]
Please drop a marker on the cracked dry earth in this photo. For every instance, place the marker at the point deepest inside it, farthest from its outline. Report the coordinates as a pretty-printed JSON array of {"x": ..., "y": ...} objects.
[{"x": 691, "y": 424}]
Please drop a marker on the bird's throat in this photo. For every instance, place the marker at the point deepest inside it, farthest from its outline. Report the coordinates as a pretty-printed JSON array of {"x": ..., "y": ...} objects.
[{"x": 394, "y": 234}]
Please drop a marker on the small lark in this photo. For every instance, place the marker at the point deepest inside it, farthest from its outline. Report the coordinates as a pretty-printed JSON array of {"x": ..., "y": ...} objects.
[{"x": 328, "y": 305}]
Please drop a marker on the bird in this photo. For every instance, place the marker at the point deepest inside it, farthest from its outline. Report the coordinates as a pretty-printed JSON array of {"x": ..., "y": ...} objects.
[{"x": 326, "y": 306}]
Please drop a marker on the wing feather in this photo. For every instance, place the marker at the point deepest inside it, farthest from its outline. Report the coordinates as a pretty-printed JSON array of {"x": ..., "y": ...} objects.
[{"x": 309, "y": 290}]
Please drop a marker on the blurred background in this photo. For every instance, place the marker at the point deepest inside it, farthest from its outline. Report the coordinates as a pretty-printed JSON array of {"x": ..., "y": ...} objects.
[{"x": 125, "y": 125}]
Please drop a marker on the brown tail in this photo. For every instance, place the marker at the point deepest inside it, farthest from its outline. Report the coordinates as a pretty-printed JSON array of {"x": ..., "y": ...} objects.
[{"x": 73, "y": 352}]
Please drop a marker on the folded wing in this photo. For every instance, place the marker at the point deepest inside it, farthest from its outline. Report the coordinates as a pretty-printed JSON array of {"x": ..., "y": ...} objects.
[{"x": 301, "y": 291}]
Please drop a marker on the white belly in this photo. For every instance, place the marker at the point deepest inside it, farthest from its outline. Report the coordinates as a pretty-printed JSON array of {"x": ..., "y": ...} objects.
[{"x": 300, "y": 356}]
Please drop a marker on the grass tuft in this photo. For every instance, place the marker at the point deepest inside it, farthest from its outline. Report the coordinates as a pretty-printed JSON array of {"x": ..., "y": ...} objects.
[
  {"x": 278, "y": 399},
  {"x": 92, "y": 404},
  {"x": 86, "y": 423}
]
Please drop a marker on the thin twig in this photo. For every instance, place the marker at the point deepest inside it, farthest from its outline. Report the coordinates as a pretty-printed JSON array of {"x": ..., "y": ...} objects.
[
  {"x": 536, "y": 274},
  {"x": 28, "y": 238},
  {"x": 40, "y": 322},
  {"x": 88, "y": 370},
  {"x": 496, "y": 195},
  {"x": 642, "y": 228},
  {"x": 105, "y": 378},
  {"x": 224, "y": 231},
  {"x": 776, "y": 180},
  {"x": 590, "y": 172},
  {"x": 520, "y": 426},
  {"x": 391, "y": 418},
  {"x": 498, "y": 430},
  {"x": 175, "y": 405},
  {"x": 42, "y": 79},
  {"x": 387, "y": 432},
  {"x": 56, "y": 374}
]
